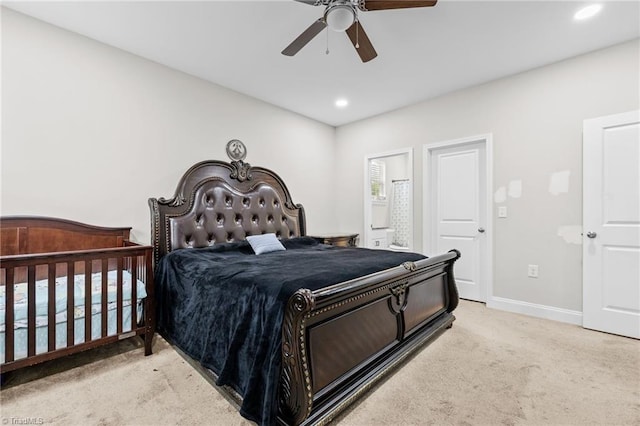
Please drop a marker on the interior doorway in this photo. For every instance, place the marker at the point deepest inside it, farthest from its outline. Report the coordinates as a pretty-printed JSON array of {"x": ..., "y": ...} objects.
[
  {"x": 457, "y": 209},
  {"x": 388, "y": 200}
]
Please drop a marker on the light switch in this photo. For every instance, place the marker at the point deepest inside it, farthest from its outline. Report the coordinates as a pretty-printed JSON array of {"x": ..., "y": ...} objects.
[{"x": 502, "y": 211}]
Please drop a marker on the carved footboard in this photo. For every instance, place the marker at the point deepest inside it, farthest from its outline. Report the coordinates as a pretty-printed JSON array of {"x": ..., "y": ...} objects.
[{"x": 339, "y": 340}]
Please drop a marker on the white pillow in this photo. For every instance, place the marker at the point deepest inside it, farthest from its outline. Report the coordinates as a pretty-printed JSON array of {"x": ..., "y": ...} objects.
[{"x": 265, "y": 243}]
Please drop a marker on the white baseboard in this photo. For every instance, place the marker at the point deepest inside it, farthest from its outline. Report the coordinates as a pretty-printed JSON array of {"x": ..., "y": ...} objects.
[{"x": 535, "y": 310}]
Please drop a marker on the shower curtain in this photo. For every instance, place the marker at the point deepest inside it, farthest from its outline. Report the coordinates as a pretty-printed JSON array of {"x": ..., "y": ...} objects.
[{"x": 400, "y": 212}]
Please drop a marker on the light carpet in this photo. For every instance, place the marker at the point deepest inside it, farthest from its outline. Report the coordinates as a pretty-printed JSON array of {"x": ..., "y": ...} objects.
[{"x": 492, "y": 367}]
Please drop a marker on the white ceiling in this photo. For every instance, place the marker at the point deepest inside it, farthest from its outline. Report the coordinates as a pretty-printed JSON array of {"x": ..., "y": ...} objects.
[{"x": 422, "y": 53}]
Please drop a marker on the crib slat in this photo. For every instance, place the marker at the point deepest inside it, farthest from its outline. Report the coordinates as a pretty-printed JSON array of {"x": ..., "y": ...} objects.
[
  {"x": 149, "y": 304},
  {"x": 51, "y": 306},
  {"x": 87, "y": 300},
  {"x": 9, "y": 317},
  {"x": 70, "y": 303},
  {"x": 31, "y": 310},
  {"x": 134, "y": 292},
  {"x": 105, "y": 294},
  {"x": 119, "y": 297},
  {"x": 142, "y": 277}
]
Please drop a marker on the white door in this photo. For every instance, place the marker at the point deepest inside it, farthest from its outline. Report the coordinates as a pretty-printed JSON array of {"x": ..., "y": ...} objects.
[
  {"x": 457, "y": 206},
  {"x": 611, "y": 222}
]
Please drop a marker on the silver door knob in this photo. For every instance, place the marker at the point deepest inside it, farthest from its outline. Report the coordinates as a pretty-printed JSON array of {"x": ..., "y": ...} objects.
[
  {"x": 481, "y": 230},
  {"x": 591, "y": 234}
]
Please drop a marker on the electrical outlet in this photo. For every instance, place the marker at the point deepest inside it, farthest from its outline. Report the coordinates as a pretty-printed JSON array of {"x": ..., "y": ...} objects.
[
  {"x": 502, "y": 211},
  {"x": 532, "y": 271}
]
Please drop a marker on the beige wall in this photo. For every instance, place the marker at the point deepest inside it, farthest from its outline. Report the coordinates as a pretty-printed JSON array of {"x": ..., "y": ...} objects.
[
  {"x": 90, "y": 132},
  {"x": 536, "y": 121}
]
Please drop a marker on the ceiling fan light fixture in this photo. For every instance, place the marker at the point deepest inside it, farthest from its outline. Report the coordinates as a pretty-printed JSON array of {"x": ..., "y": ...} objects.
[{"x": 339, "y": 17}]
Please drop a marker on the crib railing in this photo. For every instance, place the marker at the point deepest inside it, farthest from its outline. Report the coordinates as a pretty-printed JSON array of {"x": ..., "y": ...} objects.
[{"x": 16, "y": 269}]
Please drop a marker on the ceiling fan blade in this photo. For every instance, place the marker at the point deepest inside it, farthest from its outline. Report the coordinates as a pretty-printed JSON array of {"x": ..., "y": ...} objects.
[
  {"x": 361, "y": 42},
  {"x": 309, "y": 2},
  {"x": 305, "y": 38},
  {"x": 390, "y": 4}
]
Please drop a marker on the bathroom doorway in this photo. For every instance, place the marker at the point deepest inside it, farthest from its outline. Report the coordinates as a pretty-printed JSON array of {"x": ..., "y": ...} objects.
[{"x": 388, "y": 200}]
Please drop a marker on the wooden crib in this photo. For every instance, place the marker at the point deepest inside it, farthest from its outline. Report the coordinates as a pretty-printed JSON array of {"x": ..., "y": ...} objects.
[{"x": 94, "y": 275}]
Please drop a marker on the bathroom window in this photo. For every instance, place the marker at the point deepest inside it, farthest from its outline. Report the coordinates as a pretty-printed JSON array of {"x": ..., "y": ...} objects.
[{"x": 377, "y": 178}]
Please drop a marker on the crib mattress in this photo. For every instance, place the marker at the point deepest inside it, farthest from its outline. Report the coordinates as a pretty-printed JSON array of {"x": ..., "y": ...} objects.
[
  {"x": 21, "y": 296},
  {"x": 21, "y": 300},
  {"x": 42, "y": 332}
]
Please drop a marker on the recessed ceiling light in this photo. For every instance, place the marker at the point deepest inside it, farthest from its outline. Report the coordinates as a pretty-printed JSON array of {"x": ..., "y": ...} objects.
[
  {"x": 341, "y": 103},
  {"x": 587, "y": 12}
]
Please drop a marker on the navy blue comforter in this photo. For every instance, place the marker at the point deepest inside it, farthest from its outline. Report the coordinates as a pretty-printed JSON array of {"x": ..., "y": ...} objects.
[{"x": 224, "y": 306}]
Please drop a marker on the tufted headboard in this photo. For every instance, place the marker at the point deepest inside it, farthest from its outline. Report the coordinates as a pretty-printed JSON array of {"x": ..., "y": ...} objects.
[{"x": 218, "y": 202}]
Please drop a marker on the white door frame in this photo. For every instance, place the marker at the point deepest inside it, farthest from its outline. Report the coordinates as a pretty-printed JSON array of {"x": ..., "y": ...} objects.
[
  {"x": 428, "y": 206},
  {"x": 367, "y": 193}
]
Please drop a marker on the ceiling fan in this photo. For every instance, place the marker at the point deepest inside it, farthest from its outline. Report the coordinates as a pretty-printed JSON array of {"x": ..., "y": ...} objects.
[{"x": 342, "y": 15}]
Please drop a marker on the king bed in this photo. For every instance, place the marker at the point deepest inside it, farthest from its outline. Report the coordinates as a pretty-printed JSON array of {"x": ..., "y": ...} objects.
[{"x": 296, "y": 334}]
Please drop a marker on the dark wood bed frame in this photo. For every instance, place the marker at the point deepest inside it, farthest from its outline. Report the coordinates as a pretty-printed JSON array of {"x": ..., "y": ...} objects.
[
  {"x": 337, "y": 341},
  {"x": 34, "y": 248}
]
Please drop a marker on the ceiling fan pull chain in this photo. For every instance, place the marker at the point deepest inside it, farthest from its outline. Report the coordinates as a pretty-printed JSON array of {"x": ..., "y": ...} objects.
[
  {"x": 327, "y": 52},
  {"x": 357, "y": 25}
]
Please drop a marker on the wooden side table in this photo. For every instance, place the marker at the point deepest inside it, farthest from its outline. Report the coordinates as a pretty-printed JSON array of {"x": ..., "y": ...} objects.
[{"x": 340, "y": 240}]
